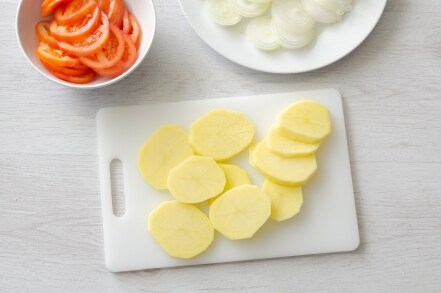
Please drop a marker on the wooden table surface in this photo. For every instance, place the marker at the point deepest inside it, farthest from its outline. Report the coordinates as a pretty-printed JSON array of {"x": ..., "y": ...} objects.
[{"x": 50, "y": 218}]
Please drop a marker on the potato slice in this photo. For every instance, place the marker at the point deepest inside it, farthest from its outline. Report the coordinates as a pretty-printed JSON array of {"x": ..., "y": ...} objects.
[
  {"x": 240, "y": 212},
  {"x": 235, "y": 176},
  {"x": 306, "y": 121},
  {"x": 285, "y": 171},
  {"x": 196, "y": 179},
  {"x": 286, "y": 147},
  {"x": 164, "y": 149},
  {"x": 221, "y": 134},
  {"x": 285, "y": 201},
  {"x": 182, "y": 230}
]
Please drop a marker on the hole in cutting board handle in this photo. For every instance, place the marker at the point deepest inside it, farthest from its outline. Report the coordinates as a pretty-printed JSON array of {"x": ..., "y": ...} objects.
[{"x": 117, "y": 187}]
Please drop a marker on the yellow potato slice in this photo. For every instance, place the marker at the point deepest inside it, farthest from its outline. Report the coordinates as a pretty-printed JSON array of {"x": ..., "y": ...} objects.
[
  {"x": 285, "y": 171},
  {"x": 306, "y": 121},
  {"x": 196, "y": 179},
  {"x": 286, "y": 201},
  {"x": 235, "y": 176},
  {"x": 221, "y": 134},
  {"x": 240, "y": 212},
  {"x": 164, "y": 149},
  {"x": 182, "y": 230},
  {"x": 286, "y": 147}
]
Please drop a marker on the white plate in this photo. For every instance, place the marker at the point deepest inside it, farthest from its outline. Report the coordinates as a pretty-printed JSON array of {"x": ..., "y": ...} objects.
[{"x": 332, "y": 43}]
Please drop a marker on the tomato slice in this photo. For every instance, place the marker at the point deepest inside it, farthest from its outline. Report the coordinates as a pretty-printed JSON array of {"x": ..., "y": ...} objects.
[
  {"x": 127, "y": 60},
  {"x": 116, "y": 11},
  {"x": 49, "y": 6},
  {"x": 91, "y": 44},
  {"x": 136, "y": 30},
  {"x": 104, "y": 5},
  {"x": 75, "y": 11},
  {"x": 85, "y": 78},
  {"x": 126, "y": 27},
  {"x": 76, "y": 31},
  {"x": 54, "y": 56},
  {"x": 43, "y": 34},
  {"x": 66, "y": 70},
  {"x": 110, "y": 54}
]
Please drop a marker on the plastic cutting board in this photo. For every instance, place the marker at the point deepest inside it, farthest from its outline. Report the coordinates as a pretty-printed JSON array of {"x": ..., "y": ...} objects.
[{"x": 327, "y": 222}]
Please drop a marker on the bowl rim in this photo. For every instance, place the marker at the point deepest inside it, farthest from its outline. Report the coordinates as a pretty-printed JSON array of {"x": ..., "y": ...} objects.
[{"x": 86, "y": 86}]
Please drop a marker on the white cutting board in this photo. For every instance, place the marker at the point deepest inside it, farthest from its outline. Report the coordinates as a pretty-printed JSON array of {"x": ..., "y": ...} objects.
[{"x": 326, "y": 223}]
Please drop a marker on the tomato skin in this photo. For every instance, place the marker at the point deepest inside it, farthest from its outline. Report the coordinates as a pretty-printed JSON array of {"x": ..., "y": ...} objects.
[
  {"x": 86, "y": 78},
  {"x": 55, "y": 57},
  {"x": 90, "y": 45},
  {"x": 75, "y": 11},
  {"x": 129, "y": 58},
  {"x": 136, "y": 30},
  {"x": 71, "y": 71},
  {"x": 43, "y": 34},
  {"x": 49, "y": 6},
  {"x": 76, "y": 32},
  {"x": 115, "y": 51},
  {"x": 116, "y": 12},
  {"x": 104, "y": 5},
  {"x": 126, "y": 27}
]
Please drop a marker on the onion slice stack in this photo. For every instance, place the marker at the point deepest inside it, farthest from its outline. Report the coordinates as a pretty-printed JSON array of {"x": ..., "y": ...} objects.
[{"x": 260, "y": 33}]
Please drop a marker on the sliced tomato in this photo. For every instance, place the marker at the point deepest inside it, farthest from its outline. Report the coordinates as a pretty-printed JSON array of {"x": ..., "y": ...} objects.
[
  {"x": 127, "y": 60},
  {"x": 91, "y": 44},
  {"x": 88, "y": 77},
  {"x": 71, "y": 71},
  {"x": 136, "y": 30},
  {"x": 77, "y": 31},
  {"x": 43, "y": 34},
  {"x": 110, "y": 54},
  {"x": 104, "y": 5},
  {"x": 55, "y": 57},
  {"x": 48, "y": 6},
  {"x": 75, "y": 11},
  {"x": 116, "y": 11},
  {"x": 126, "y": 27}
]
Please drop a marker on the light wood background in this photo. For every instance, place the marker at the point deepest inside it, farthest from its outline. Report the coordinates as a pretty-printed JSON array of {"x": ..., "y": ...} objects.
[{"x": 50, "y": 221}]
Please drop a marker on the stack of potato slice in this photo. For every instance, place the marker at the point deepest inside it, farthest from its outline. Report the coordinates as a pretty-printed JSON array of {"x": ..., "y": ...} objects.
[
  {"x": 192, "y": 168},
  {"x": 286, "y": 157},
  {"x": 188, "y": 165}
]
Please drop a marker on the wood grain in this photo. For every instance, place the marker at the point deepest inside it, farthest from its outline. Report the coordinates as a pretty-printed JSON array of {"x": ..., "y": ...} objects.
[{"x": 50, "y": 222}]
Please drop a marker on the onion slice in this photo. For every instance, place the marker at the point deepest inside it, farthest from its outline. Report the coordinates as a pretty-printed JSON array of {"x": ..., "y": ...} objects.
[
  {"x": 260, "y": 33},
  {"x": 290, "y": 16},
  {"x": 247, "y": 8},
  {"x": 319, "y": 13},
  {"x": 221, "y": 12},
  {"x": 290, "y": 40},
  {"x": 338, "y": 6}
]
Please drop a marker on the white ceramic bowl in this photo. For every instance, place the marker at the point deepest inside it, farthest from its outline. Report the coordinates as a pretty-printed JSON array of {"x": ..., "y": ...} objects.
[{"x": 28, "y": 15}]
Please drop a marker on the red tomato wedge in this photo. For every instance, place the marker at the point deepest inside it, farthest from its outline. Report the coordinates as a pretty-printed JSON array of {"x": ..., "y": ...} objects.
[
  {"x": 49, "y": 6},
  {"x": 43, "y": 34},
  {"x": 55, "y": 57},
  {"x": 91, "y": 44},
  {"x": 116, "y": 11},
  {"x": 127, "y": 60},
  {"x": 136, "y": 31},
  {"x": 77, "y": 31},
  {"x": 110, "y": 54},
  {"x": 71, "y": 71},
  {"x": 75, "y": 11},
  {"x": 86, "y": 78}
]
